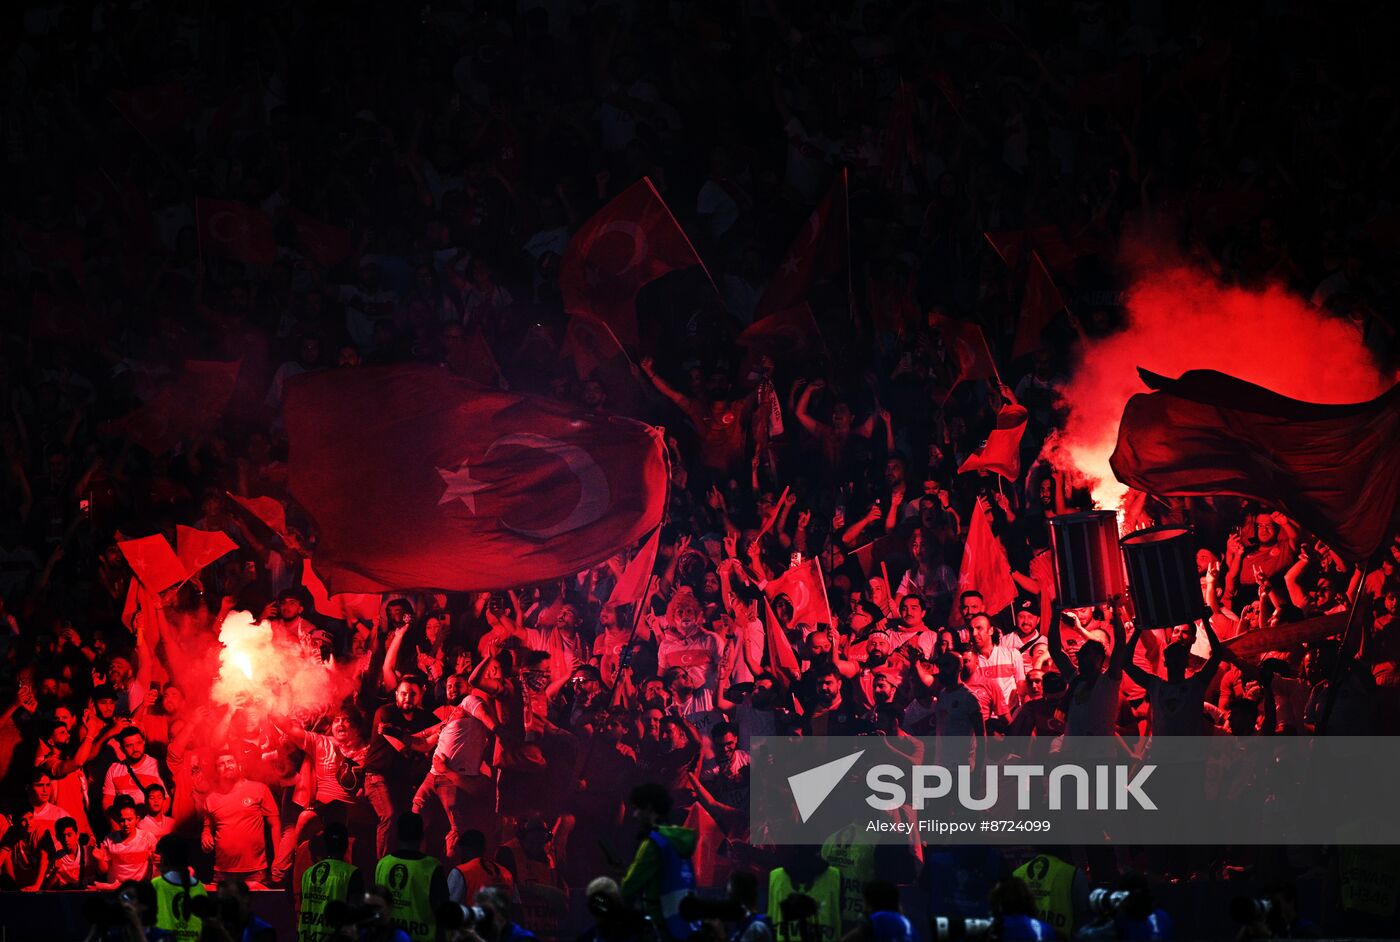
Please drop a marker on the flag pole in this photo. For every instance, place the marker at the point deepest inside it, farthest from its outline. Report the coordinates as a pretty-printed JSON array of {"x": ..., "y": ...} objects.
[
  {"x": 1342, "y": 656},
  {"x": 679, "y": 228},
  {"x": 850, "y": 277}
]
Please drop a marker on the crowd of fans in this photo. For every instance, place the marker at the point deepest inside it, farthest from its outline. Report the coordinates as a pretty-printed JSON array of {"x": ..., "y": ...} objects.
[{"x": 461, "y": 144}]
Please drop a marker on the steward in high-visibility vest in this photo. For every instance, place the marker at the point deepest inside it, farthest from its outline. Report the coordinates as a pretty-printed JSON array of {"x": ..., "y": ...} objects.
[
  {"x": 796, "y": 920},
  {"x": 1051, "y": 882},
  {"x": 175, "y": 886},
  {"x": 417, "y": 883},
  {"x": 660, "y": 875},
  {"x": 330, "y": 878}
]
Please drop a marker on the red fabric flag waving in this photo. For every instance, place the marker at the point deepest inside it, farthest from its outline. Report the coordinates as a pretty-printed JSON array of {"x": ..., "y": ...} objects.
[
  {"x": 182, "y": 409},
  {"x": 984, "y": 565},
  {"x": 967, "y": 345},
  {"x": 154, "y": 563},
  {"x": 235, "y": 230},
  {"x": 1001, "y": 453},
  {"x": 635, "y": 577},
  {"x": 627, "y": 244},
  {"x": 267, "y": 509},
  {"x": 598, "y": 356},
  {"x": 329, "y": 245},
  {"x": 198, "y": 548},
  {"x": 155, "y": 110},
  {"x": 805, "y": 589},
  {"x": 348, "y": 606},
  {"x": 818, "y": 251},
  {"x": 790, "y": 334},
  {"x": 1039, "y": 304},
  {"x": 1333, "y": 468},
  {"x": 419, "y": 479},
  {"x": 782, "y": 660}
]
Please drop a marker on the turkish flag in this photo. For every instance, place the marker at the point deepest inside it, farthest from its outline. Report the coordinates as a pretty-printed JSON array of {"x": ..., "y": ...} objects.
[
  {"x": 235, "y": 230},
  {"x": 1116, "y": 89},
  {"x": 417, "y": 478},
  {"x": 820, "y": 250},
  {"x": 329, "y": 245},
  {"x": 155, "y": 110},
  {"x": 1001, "y": 453},
  {"x": 1039, "y": 304},
  {"x": 182, "y": 409},
  {"x": 267, "y": 509},
  {"x": 789, "y": 334},
  {"x": 1333, "y": 468},
  {"x": 782, "y": 660},
  {"x": 470, "y": 356},
  {"x": 198, "y": 548},
  {"x": 984, "y": 564},
  {"x": 633, "y": 584},
  {"x": 153, "y": 562},
  {"x": 971, "y": 360},
  {"x": 1058, "y": 253},
  {"x": 347, "y": 606},
  {"x": 597, "y": 355},
  {"x": 629, "y": 243},
  {"x": 67, "y": 320},
  {"x": 806, "y": 590}
]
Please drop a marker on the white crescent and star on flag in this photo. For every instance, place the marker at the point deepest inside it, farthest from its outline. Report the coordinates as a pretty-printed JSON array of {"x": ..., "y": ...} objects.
[{"x": 595, "y": 496}]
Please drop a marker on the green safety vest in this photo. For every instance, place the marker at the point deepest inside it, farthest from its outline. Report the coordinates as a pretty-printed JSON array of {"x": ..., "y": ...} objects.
[
  {"x": 856, "y": 861},
  {"x": 1051, "y": 882},
  {"x": 409, "y": 883},
  {"x": 172, "y": 908},
  {"x": 825, "y": 890},
  {"x": 321, "y": 883}
]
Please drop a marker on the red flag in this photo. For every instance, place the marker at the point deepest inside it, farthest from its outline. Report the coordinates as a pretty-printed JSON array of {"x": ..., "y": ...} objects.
[
  {"x": 1039, "y": 304},
  {"x": 155, "y": 110},
  {"x": 419, "y": 479},
  {"x": 984, "y": 565},
  {"x": 627, "y": 244},
  {"x": 1058, "y": 254},
  {"x": 347, "y": 606},
  {"x": 153, "y": 561},
  {"x": 819, "y": 251},
  {"x": 267, "y": 509},
  {"x": 182, "y": 409},
  {"x": 633, "y": 583},
  {"x": 806, "y": 590},
  {"x": 329, "y": 245},
  {"x": 1001, "y": 452},
  {"x": 1333, "y": 468},
  {"x": 198, "y": 548},
  {"x": 967, "y": 346},
  {"x": 65, "y": 320},
  {"x": 598, "y": 356},
  {"x": 235, "y": 230},
  {"x": 782, "y": 659},
  {"x": 470, "y": 357},
  {"x": 790, "y": 334}
]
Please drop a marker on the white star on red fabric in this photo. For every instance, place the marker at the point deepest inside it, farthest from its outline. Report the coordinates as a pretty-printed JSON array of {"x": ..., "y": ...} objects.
[{"x": 460, "y": 486}]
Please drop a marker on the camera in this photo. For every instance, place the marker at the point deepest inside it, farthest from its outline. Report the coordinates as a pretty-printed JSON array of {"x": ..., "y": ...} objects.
[
  {"x": 461, "y": 916},
  {"x": 1250, "y": 909},
  {"x": 947, "y": 928},
  {"x": 1105, "y": 902}
]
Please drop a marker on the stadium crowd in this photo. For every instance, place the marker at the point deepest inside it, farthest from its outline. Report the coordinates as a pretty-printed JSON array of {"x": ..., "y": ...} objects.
[{"x": 453, "y": 148}]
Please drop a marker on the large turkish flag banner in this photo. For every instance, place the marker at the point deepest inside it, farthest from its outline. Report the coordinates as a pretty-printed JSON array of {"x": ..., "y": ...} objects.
[
  {"x": 235, "y": 230},
  {"x": 417, "y": 478},
  {"x": 819, "y": 251},
  {"x": 630, "y": 242}
]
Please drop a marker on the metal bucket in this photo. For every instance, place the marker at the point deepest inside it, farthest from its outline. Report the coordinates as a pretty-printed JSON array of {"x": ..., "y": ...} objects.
[
  {"x": 1088, "y": 564},
  {"x": 1162, "y": 577}
]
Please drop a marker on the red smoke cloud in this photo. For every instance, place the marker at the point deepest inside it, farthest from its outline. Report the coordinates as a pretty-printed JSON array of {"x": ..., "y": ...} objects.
[{"x": 1180, "y": 319}]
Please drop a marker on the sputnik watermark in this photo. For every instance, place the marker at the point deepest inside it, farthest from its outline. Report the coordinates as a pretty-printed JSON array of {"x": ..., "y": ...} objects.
[{"x": 1106, "y": 787}]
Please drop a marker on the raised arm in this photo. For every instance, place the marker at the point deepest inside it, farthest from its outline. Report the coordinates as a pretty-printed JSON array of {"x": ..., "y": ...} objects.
[
  {"x": 1057, "y": 648},
  {"x": 663, "y": 387},
  {"x": 1122, "y": 652}
]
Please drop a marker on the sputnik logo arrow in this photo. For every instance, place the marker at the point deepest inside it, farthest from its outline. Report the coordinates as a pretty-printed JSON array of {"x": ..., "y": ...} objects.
[{"x": 811, "y": 788}]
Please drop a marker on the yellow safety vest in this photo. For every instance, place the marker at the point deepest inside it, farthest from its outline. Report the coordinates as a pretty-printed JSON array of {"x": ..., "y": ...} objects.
[
  {"x": 409, "y": 883},
  {"x": 321, "y": 883},
  {"x": 172, "y": 908},
  {"x": 1051, "y": 882},
  {"x": 857, "y": 865},
  {"x": 825, "y": 891},
  {"x": 1369, "y": 875}
]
